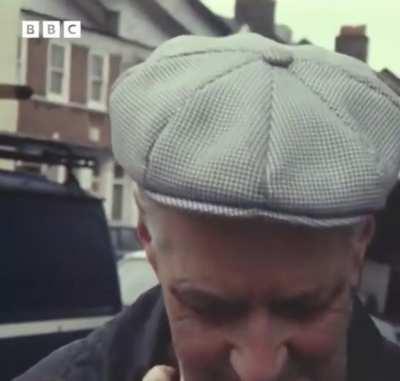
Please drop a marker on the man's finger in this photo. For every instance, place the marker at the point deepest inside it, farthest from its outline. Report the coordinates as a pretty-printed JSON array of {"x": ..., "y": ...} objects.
[{"x": 160, "y": 373}]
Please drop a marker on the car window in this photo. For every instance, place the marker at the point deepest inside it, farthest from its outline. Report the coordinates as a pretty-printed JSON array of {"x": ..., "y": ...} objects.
[
  {"x": 114, "y": 236},
  {"x": 128, "y": 240},
  {"x": 55, "y": 259}
]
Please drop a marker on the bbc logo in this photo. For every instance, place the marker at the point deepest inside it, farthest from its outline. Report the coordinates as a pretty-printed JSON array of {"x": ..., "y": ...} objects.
[{"x": 51, "y": 29}]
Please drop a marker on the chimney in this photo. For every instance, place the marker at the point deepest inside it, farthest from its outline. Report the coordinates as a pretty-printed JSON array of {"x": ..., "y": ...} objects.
[
  {"x": 259, "y": 15},
  {"x": 353, "y": 41}
]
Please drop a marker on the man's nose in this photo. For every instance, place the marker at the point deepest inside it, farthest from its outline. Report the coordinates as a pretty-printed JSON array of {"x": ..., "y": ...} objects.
[{"x": 260, "y": 352}]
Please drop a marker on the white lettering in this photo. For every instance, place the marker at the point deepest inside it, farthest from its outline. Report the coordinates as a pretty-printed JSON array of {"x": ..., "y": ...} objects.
[
  {"x": 72, "y": 29},
  {"x": 30, "y": 29},
  {"x": 51, "y": 29}
]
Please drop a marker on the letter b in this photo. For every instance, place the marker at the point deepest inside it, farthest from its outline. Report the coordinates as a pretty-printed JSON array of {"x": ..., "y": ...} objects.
[
  {"x": 30, "y": 29},
  {"x": 51, "y": 29}
]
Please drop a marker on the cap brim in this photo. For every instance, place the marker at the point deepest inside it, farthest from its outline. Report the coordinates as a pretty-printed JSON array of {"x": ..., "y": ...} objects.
[{"x": 238, "y": 212}]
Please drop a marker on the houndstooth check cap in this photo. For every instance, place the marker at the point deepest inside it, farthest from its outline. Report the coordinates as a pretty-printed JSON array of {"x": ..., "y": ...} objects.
[{"x": 243, "y": 126}]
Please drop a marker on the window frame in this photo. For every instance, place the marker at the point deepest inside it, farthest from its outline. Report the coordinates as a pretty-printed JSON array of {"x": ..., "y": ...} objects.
[
  {"x": 22, "y": 55},
  {"x": 120, "y": 207},
  {"x": 91, "y": 131},
  {"x": 102, "y": 103},
  {"x": 66, "y": 71},
  {"x": 118, "y": 181}
]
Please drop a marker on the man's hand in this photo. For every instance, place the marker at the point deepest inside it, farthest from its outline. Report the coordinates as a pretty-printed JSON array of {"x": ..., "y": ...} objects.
[{"x": 161, "y": 373}]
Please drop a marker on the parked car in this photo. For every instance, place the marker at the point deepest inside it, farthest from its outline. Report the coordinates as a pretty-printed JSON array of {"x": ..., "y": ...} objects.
[
  {"x": 58, "y": 278},
  {"x": 135, "y": 276},
  {"x": 134, "y": 271},
  {"x": 124, "y": 240}
]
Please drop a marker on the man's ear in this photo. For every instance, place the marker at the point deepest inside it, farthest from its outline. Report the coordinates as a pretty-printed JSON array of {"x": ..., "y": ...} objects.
[
  {"x": 142, "y": 230},
  {"x": 146, "y": 242},
  {"x": 361, "y": 238},
  {"x": 143, "y": 233}
]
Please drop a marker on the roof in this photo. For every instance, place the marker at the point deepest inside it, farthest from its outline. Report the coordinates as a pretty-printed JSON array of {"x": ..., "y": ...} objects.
[
  {"x": 226, "y": 26},
  {"x": 164, "y": 19},
  {"x": 176, "y": 27},
  {"x": 91, "y": 26},
  {"x": 233, "y": 23},
  {"x": 304, "y": 41},
  {"x": 104, "y": 18},
  {"x": 391, "y": 79}
]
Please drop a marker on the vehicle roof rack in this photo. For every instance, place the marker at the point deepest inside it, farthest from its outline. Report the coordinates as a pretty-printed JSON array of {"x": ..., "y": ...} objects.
[{"x": 23, "y": 148}]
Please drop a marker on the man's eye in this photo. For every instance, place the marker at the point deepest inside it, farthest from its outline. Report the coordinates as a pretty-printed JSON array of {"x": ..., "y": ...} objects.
[
  {"x": 214, "y": 313},
  {"x": 298, "y": 311}
]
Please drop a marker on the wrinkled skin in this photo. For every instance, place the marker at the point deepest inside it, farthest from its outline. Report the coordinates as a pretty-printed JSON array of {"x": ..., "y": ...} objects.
[{"x": 252, "y": 300}]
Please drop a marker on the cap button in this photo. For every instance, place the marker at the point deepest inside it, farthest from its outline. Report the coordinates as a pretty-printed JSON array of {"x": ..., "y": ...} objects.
[{"x": 278, "y": 57}]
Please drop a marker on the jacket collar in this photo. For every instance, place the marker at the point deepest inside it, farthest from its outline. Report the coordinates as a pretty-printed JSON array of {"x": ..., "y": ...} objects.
[{"x": 365, "y": 347}]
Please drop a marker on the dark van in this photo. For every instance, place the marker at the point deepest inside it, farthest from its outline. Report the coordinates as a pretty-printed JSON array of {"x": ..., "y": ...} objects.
[{"x": 58, "y": 278}]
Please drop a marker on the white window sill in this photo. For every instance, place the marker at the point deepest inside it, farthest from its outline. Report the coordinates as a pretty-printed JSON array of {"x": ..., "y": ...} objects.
[
  {"x": 56, "y": 98},
  {"x": 97, "y": 106},
  {"x": 63, "y": 103}
]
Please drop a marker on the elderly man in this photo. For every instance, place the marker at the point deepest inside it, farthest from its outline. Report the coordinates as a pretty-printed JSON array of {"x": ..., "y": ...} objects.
[{"x": 259, "y": 167}]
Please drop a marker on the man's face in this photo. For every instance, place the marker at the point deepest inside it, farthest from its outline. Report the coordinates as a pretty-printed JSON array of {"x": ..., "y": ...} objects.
[{"x": 254, "y": 301}]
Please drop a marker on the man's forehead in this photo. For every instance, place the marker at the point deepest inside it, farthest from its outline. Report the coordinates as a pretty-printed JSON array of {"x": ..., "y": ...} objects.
[
  {"x": 231, "y": 272},
  {"x": 176, "y": 224}
]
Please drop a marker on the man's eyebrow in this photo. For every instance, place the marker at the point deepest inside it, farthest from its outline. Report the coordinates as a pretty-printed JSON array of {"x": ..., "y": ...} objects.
[
  {"x": 189, "y": 294},
  {"x": 315, "y": 296}
]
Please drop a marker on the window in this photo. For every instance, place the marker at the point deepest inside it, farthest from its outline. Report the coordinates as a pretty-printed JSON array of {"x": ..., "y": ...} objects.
[
  {"x": 58, "y": 66},
  {"x": 118, "y": 193},
  {"x": 124, "y": 238},
  {"x": 118, "y": 171},
  {"x": 38, "y": 261},
  {"x": 98, "y": 80},
  {"x": 94, "y": 134},
  {"x": 31, "y": 168},
  {"x": 96, "y": 180}
]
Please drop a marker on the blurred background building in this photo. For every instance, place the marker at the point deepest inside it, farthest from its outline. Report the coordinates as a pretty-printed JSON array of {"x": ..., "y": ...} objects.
[{"x": 71, "y": 79}]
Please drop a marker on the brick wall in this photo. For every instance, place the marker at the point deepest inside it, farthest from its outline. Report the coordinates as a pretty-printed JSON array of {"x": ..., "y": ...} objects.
[
  {"x": 43, "y": 119},
  {"x": 37, "y": 118}
]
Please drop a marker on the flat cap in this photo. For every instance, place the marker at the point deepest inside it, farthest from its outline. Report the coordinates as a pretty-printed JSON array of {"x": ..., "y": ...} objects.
[{"x": 244, "y": 126}]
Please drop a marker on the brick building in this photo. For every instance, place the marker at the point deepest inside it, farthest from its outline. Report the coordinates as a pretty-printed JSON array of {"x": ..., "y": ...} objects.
[{"x": 71, "y": 78}]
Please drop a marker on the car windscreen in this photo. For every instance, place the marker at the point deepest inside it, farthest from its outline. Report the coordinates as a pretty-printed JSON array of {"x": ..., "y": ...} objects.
[
  {"x": 56, "y": 259},
  {"x": 128, "y": 240},
  {"x": 124, "y": 238}
]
